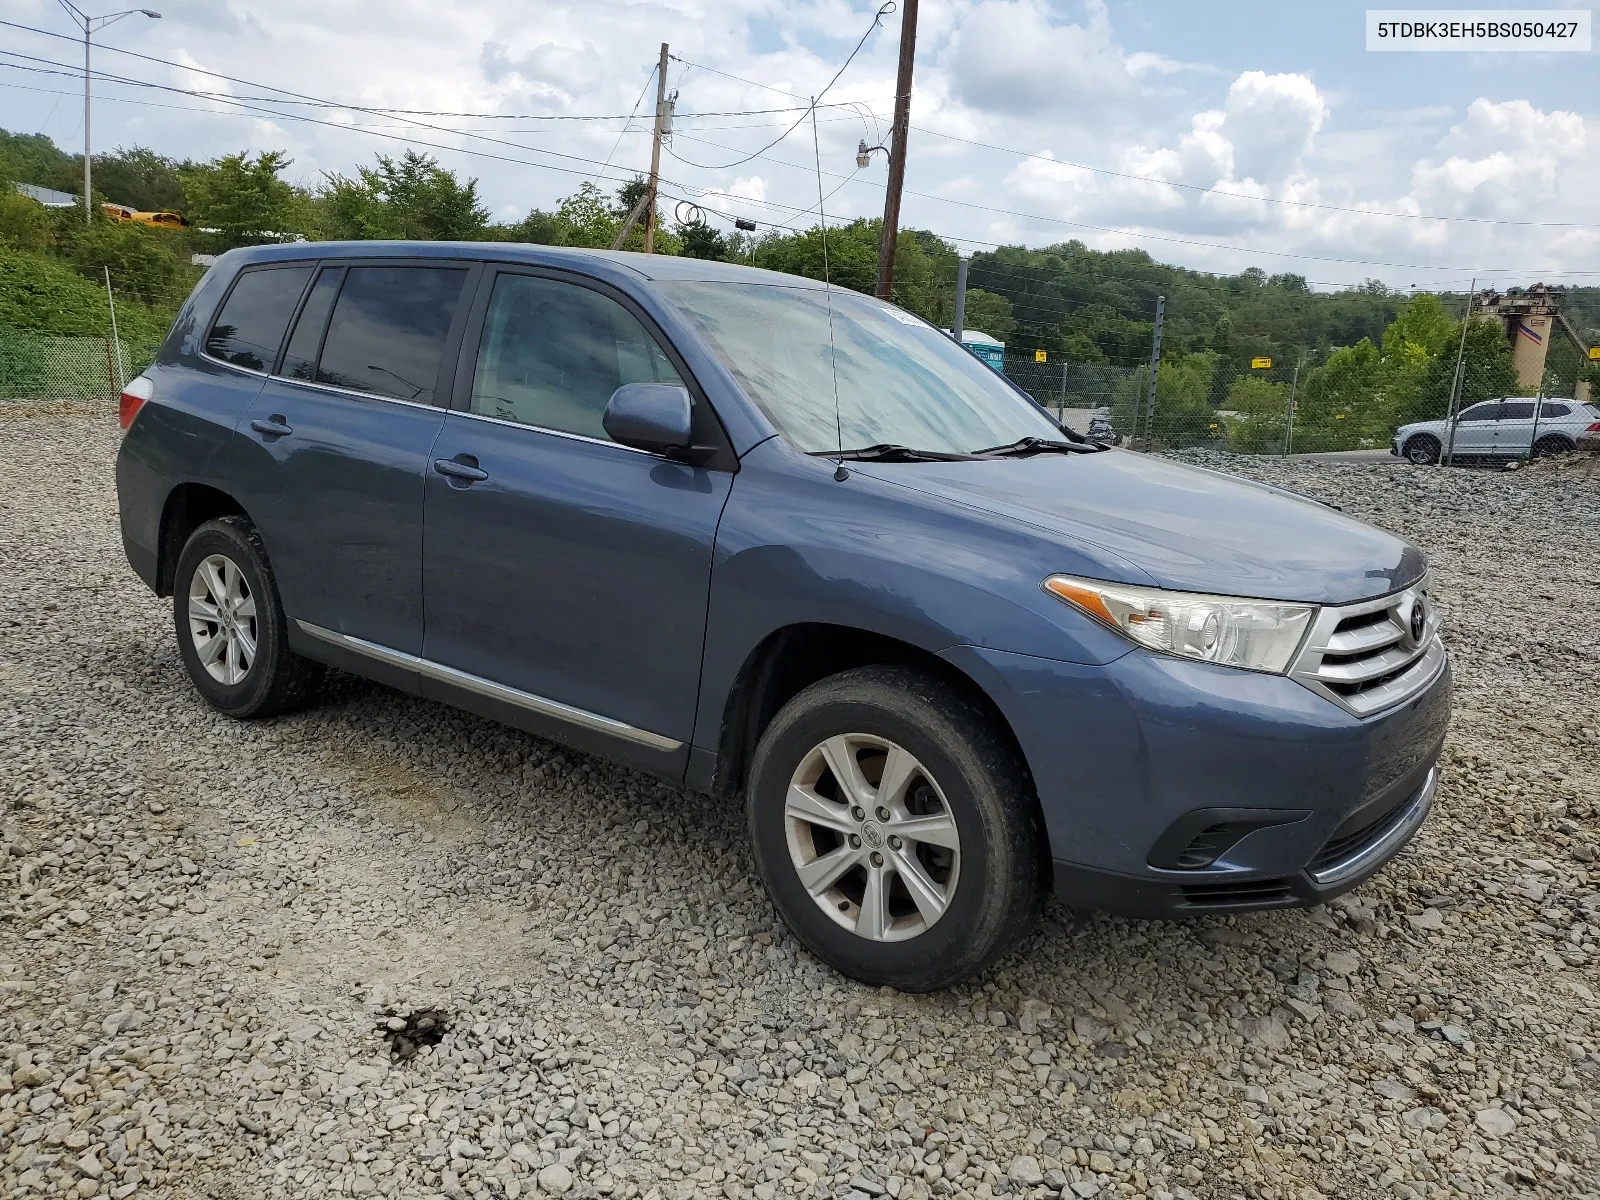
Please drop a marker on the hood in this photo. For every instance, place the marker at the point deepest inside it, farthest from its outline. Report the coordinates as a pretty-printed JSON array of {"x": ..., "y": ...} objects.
[{"x": 1187, "y": 528}]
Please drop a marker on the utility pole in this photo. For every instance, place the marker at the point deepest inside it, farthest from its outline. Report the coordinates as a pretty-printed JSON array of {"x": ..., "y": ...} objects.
[
  {"x": 90, "y": 25},
  {"x": 1288, "y": 420},
  {"x": 1155, "y": 370},
  {"x": 655, "y": 153},
  {"x": 958, "y": 322},
  {"x": 897, "y": 149}
]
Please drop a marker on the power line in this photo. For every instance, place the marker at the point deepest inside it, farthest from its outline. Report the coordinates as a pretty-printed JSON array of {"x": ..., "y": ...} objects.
[{"x": 877, "y": 19}]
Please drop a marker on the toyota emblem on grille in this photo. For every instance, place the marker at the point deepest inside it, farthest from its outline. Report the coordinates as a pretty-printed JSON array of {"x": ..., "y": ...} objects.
[{"x": 1418, "y": 624}]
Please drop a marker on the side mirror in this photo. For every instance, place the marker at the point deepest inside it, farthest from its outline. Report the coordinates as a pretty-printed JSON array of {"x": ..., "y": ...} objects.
[{"x": 657, "y": 417}]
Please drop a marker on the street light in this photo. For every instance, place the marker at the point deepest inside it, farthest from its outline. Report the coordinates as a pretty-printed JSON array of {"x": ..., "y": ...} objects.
[
  {"x": 91, "y": 25},
  {"x": 864, "y": 153}
]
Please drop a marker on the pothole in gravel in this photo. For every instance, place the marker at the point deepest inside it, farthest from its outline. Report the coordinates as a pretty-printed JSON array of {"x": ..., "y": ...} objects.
[{"x": 408, "y": 1034}]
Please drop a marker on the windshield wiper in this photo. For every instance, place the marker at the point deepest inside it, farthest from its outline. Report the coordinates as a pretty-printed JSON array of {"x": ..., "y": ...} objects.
[
  {"x": 890, "y": 452},
  {"x": 1035, "y": 445}
]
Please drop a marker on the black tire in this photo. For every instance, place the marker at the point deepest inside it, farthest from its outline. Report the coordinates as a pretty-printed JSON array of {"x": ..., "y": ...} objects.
[
  {"x": 1422, "y": 449},
  {"x": 1551, "y": 445},
  {"x": 276, "y": 679},
  {"x": 999, "y": 890}
]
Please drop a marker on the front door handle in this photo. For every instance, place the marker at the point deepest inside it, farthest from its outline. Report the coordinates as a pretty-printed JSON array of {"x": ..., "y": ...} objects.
[
  {"x": 273, "y": 426},
  {"x": 462, "y": 467}
]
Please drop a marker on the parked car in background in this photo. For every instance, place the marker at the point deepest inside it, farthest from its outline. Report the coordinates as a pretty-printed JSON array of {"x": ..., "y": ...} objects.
[
  {"x": 1506, "y": 428},
  {"x": 1100, "y": 429},
  {"x": 762, "y": 537}
]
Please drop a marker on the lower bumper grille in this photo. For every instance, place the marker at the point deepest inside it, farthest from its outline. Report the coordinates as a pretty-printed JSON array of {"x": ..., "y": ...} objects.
[{"x": 1252, "y": 892}]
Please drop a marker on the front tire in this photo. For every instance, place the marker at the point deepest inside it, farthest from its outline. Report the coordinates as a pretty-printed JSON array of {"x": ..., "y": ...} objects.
[
  {"x": 896, "y": 828},
  {"x": 1422, "y": 450},
  {"x": 231, "y": 629}
]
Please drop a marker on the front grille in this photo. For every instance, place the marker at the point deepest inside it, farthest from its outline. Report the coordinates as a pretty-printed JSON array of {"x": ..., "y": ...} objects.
[
  {"x": 1255, "y": 892},
  {"x": 1362, "y": 656}
]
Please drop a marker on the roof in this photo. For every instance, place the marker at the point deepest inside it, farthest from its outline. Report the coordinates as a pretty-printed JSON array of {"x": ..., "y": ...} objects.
[
  {"x": 48, "y": 197},
  {"x": 646, "y": 266},
  {"x": 974, "y": 337}
]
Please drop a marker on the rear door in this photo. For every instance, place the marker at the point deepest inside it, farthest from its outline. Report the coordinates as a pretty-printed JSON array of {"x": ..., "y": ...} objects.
[
  {"x": 1474, "y": 431},
  {"x": 338, "y": 442},
  {"x": 1513, "y": 432},
  {"x": 566, "y": 576}
]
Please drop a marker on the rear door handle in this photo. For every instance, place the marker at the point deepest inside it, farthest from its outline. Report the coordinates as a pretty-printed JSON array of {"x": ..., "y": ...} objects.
[
  {"x": 273, "y": 426},
  {"x": 463, "y": 467}
]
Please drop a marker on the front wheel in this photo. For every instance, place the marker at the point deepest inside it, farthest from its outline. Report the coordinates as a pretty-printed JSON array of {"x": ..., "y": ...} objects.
[
  {"x": 232, "y": 632},
  {"x": 1422, "y": 450},
  {"x": 896, "y": 828}
]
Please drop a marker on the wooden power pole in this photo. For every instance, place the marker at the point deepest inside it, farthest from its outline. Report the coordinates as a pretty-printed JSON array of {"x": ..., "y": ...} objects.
[
  {"x": 897, "y": 148},
  {"x": 655, "y": 153}
]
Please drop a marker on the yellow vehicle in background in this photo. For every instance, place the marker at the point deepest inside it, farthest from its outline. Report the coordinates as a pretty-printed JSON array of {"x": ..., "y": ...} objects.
[{"x": 161, "y": 220}]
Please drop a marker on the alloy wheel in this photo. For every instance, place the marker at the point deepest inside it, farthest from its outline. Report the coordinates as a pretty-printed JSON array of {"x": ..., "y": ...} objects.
[
  {"x": 222, "y": 619},
  {"x": 871, "y": 837}
]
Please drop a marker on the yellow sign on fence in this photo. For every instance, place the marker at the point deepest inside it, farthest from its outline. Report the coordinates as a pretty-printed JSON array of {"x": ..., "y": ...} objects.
[
  {"x": 1594, "y": 352},
  {"x": 1260, "y": 364},
  {"x": 1038, "y": 356}
]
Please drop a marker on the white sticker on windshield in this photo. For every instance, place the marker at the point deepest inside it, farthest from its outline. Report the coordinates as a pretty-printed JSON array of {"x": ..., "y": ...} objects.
[{"x": 904, "y": 318}]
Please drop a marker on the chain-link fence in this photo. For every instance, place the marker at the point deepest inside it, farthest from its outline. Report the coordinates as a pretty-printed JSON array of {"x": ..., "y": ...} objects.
[{"x": 40, "y": 366}]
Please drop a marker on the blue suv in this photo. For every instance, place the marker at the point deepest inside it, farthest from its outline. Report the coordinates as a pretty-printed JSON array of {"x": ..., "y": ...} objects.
[{"x": 762, "y": 537}]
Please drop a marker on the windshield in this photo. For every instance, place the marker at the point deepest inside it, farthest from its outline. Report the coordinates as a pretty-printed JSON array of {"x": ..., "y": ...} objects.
[{"x": 900, "y": 381}]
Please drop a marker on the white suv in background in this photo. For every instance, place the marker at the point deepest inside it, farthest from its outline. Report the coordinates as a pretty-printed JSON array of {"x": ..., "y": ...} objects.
[{"x": 1506, "y": 428}]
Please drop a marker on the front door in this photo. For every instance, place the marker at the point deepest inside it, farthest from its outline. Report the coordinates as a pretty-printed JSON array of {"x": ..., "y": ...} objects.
[
  {"x": 1474, "y": 433},
  {"x": 566, "y": 576},
  {"x": 334, "y": 450}
]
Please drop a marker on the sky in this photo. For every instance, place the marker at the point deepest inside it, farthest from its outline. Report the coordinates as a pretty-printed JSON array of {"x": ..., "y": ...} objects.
[{"x": 1214, "y": 136}]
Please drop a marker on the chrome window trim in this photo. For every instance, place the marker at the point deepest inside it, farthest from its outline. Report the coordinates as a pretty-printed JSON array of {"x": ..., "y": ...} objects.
[
  {"x": 344, "y": 391},
  {"x": 492, "y": 690},
  {"x": 1421, "y": 666},
  {"x": 234, "y": 366},
  {"x": 560, "y": 433}
]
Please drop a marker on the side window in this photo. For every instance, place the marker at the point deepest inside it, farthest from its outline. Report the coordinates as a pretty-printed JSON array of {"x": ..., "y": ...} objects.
[
  {"x": 1548, "y": 410},
  {"x": 388, "y": 329},
  {"x": 552, "y": 353},
  {"x": 251, "y": 325},
  {"x": 300, "y": 359},
  {"x": 1517, "y": 410},
  {"x": 1482, "y": 412}
]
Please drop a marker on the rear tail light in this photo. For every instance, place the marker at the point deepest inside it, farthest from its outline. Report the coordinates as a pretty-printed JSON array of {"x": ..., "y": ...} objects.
[
  {"x": 1595, "y": 428},
  {"x": 139, "y": 389}
]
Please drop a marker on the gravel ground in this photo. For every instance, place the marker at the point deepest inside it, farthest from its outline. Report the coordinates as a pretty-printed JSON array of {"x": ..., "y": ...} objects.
[{"x": 206, "y": 924}]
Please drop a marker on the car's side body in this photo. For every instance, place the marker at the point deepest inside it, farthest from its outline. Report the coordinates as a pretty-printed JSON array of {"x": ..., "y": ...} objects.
[
  {"x": 659, "y": 611},
  {"x": 1511, "y": 427}
]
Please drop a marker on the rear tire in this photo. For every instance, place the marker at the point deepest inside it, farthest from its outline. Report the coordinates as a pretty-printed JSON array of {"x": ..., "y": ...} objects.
[
  {"x": 1422, "y": 450},
  {"x": 1552, "y": 445},
  {"x": 231, "y": 628},
  {"x": 960, "y": 856}
]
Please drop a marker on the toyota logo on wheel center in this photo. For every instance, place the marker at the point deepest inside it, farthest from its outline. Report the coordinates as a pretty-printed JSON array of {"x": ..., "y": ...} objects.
[{"x": 872, "y": 835}]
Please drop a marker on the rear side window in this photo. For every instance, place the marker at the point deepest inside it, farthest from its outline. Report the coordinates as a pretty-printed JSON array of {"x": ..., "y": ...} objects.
[
  {"x": 1516, "y": 410},
  {"x": 251, "y": 325},
  {"x": 1547, "y": 410},
  {"x": 300, "y": 358},
  {"x": 388, "y": 330},
  {"x": 553, "y": 352}
]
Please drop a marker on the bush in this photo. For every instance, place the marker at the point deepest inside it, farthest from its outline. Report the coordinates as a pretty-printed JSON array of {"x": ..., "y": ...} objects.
[
  {"x": 45, "y": 295},
  {"x": 24, "y": 222}
]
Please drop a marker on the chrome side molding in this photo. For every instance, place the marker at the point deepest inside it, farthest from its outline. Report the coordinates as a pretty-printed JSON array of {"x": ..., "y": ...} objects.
[{"x": 490, "y": 689}]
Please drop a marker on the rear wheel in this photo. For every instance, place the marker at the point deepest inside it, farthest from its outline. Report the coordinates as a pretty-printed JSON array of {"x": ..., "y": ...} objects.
[
  {"x": 232, "y": 632},
  {"x": 896, "y": 828},
  {"x": 1551, "y": 445},
  {"x": 1422, "y": 449}
]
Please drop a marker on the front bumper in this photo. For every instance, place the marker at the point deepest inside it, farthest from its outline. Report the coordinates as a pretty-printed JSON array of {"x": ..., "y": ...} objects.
[{"x": 1174, "y": 788}]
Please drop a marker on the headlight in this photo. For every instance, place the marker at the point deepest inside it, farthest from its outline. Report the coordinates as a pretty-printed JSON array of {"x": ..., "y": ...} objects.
[{"x": 1258, "y": 635}]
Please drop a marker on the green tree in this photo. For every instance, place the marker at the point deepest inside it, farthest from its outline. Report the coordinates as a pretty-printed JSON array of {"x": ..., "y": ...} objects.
[
  {"x": 1487, "y": 371},
  {"x": 143, "y": 263},
  {"x": 24, "y": 222},
  {"x": 148, "y": 181},
  {"x": 1339, "y": 403},
  {"x": 409, "y": 198},
  {"x": 702, "y": 241},
  {"x": 244, "y": 200},
  {"x": 1263, "y": 408},
  {"x": 1183, "y": 413}
]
